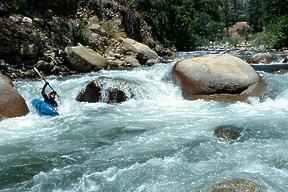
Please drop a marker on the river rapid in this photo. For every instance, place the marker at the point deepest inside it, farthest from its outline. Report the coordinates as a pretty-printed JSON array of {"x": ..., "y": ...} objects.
[{"x": 155, "y": 142}]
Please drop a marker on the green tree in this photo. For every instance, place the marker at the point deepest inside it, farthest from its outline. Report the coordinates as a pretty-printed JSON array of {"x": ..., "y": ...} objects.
[
  {"x": 185, "y": 23},
  {"x": 277, "y": 32},
  {"x": 275, "y": 8},
  {"x": 256, "y": 15}
]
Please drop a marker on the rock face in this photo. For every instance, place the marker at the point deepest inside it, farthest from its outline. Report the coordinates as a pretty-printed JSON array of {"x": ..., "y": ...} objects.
[
  {"x": 261, "y": 58},
  {"x": 38, "y": 31},
  {"x": 237, "y": 185},
  {"x": 142, "y": 52},
  {"x": 105, "y": 89},
  {"x": 84, "y": 59},
  {"x": 12, "y": 103},
  {"x": 217, "y": 77}
]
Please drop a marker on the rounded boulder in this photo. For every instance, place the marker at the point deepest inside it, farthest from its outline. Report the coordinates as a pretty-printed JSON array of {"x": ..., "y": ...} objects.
[
  {"x": 106, "y": 89},
  {"x": 12, "y": 104},
  {"x": 217, "y": 77},
  {"x": 84, "y": 59},
  {"x": 261, "y": 58}
]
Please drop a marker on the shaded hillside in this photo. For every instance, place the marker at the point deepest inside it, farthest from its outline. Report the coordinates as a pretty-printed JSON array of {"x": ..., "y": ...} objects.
[{"x": 39, "y": 30}]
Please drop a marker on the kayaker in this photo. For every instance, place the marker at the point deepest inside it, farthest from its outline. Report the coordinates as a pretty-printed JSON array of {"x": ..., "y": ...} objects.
[{"x": 50, "y": 98}]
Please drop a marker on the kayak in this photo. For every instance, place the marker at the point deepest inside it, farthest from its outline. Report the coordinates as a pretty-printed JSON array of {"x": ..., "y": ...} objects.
[{"x": 44, "y": 108}]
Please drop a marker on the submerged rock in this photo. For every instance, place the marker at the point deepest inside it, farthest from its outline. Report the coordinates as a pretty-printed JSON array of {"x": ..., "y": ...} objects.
[
  {"x": 227, "y": 132},
  {"x": 261, "y": 58},
  {"x": 285, "y": 59},
  {"x": 217, "y": 77},
  {"x": 235, "y": 185},
  {"x": 84, "y": 59},
  {"x": 91, "y": 94},
  {"x": 108, "y": 90},
  {"x": 12, "y": 104}
]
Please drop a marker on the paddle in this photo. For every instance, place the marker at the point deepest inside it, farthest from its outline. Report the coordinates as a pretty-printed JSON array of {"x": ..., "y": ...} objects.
[{"x": 38, "y": 72}]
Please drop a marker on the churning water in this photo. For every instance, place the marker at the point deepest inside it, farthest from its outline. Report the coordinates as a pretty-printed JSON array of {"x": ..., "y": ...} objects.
[{"x": 155, "y": 142}]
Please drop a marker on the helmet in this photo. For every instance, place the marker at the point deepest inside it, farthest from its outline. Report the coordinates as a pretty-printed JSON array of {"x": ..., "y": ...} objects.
[{"x": 53, "y": 92}]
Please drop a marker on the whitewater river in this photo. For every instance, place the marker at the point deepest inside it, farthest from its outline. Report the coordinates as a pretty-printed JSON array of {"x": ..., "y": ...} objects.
[{"x": 156, "y": 142}]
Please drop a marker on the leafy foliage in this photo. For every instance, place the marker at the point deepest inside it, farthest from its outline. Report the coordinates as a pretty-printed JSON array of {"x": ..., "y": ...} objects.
[
  {"x": 277, "y": 32},
  {"x": 185, "y": 23},
  {"x": 17, "y": 4},
  {"x": 271, "y": 14},
  {"x": 79, "y": 34},
  {"x": 245, "y": 32},
  {"x": 110, "y": 28},
  {"x": 61, "y": 7},
  {"x": 256, "y": 20}
]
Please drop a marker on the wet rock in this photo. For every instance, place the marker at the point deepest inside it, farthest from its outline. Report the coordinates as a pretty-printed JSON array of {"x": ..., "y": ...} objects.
[
  {"x": 217, "y": 77},
  {"x": 261, "y": 58},
  {"x": 116, "y": 95},
  {"x": 227, "y": 132},
  {"x": 7, "y": 79},
  {"x": 108, "y": 90},
  {"x": 285, "y": 59},
  {"x": 12, "y": 103},
  {"x": 84, "y": 59},
  {"x": 91, "y": 94},
  {"x": 235, "y": 185}
]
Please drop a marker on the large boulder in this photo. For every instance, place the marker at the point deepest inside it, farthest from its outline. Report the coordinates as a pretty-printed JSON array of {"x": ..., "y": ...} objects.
[
  {"x": 106, "y": 89},
  {"x": 142, "y": 52},
  {"x": 84, "y": 59},
  {"x": 217, "y": 77},
  {"x": 7, "y": 79},
  {"x": 12, "y": 103},
  {"x": 261, "y": 58}
]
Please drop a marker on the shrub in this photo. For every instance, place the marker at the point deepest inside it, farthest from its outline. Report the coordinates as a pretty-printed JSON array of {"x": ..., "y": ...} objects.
[
  {"x": 233, "y": 41},
  {"x": 277, "y": 32},
  {"x": 79, "y": 34},
  {"x": 110, "y": 28},
  {"x": 259, "y": 39},
  {"x": 17, "y": 4}
]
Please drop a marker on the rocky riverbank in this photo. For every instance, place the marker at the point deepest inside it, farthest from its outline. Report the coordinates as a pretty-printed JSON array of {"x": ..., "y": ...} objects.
[{"x": 32, "y": 37}]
